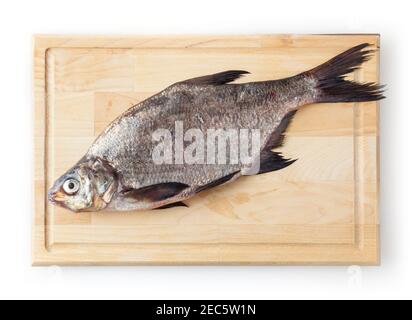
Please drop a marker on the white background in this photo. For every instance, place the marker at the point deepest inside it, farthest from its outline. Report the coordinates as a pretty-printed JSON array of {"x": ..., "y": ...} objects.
[{"x": 19, "y": 20}]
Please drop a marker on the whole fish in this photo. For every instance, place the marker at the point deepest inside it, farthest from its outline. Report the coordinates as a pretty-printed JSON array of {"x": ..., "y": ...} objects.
[{"x": 120, "y": 172}]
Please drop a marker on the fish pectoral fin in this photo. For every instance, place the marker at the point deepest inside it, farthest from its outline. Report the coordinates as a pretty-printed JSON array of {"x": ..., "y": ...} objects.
[
  {"x": 217, "y": 182},
  {"x": 108, "y": 194},
  {"x": 172, "y": 205},
  {"x": 272, "y": 161},
  {"x": 217, "y": 78},
  {"x": 156, "y": 192}
]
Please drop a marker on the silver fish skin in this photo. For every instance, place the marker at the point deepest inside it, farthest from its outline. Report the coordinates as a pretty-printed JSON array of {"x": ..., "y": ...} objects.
[{"x": 118, "y": 171}]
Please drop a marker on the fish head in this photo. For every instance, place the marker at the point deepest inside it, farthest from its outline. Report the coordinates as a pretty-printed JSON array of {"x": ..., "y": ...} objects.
[{"x": 88, "y": 186}]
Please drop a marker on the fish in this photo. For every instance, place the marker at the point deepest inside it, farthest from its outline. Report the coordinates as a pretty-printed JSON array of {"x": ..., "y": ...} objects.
[{"x": 120, "y": 172}]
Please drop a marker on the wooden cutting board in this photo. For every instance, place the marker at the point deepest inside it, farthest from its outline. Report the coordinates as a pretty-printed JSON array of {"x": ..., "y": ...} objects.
[{"x": 321, "y": 210}]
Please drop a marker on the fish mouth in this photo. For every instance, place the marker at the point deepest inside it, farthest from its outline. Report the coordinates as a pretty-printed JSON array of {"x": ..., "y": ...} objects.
[
  {"x": 55, "y": 197},
  {"x": 50, "y": 197}
]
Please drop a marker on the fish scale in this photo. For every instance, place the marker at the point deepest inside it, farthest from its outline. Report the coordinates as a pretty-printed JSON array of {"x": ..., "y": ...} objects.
[{"x": 134, "y": 143}]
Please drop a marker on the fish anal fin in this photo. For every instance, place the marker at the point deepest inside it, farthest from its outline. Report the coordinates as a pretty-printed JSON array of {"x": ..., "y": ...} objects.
[
  {"x": 217, "y": 182},
  {"x": 172, "y": 205},
  {"x": 277, "y": 137},
  {"x": 155, "y": 193},
  {"x": 272, "y": 161},
  {"x": 217, "y": 78}
]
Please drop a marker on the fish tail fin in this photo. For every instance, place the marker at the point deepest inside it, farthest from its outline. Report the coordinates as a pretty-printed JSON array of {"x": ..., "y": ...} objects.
[{"x": 331, "y": 83}]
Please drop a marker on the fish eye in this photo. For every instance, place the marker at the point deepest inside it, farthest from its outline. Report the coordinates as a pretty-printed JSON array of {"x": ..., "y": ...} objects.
[{"x": 71, "y": 186}]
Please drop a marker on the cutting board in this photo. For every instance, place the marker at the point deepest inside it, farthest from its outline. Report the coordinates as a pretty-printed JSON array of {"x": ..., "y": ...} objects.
[{"x": 323, "y": 209}]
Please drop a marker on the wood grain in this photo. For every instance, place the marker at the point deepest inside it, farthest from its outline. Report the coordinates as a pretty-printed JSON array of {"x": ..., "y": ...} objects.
[{"x": 321, "y": 210}]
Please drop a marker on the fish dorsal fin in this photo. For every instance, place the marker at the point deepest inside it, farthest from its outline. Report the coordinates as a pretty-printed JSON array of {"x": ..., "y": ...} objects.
[
  {"x": 155, "y": 193},
  {"x": 217, "y": 78}
]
